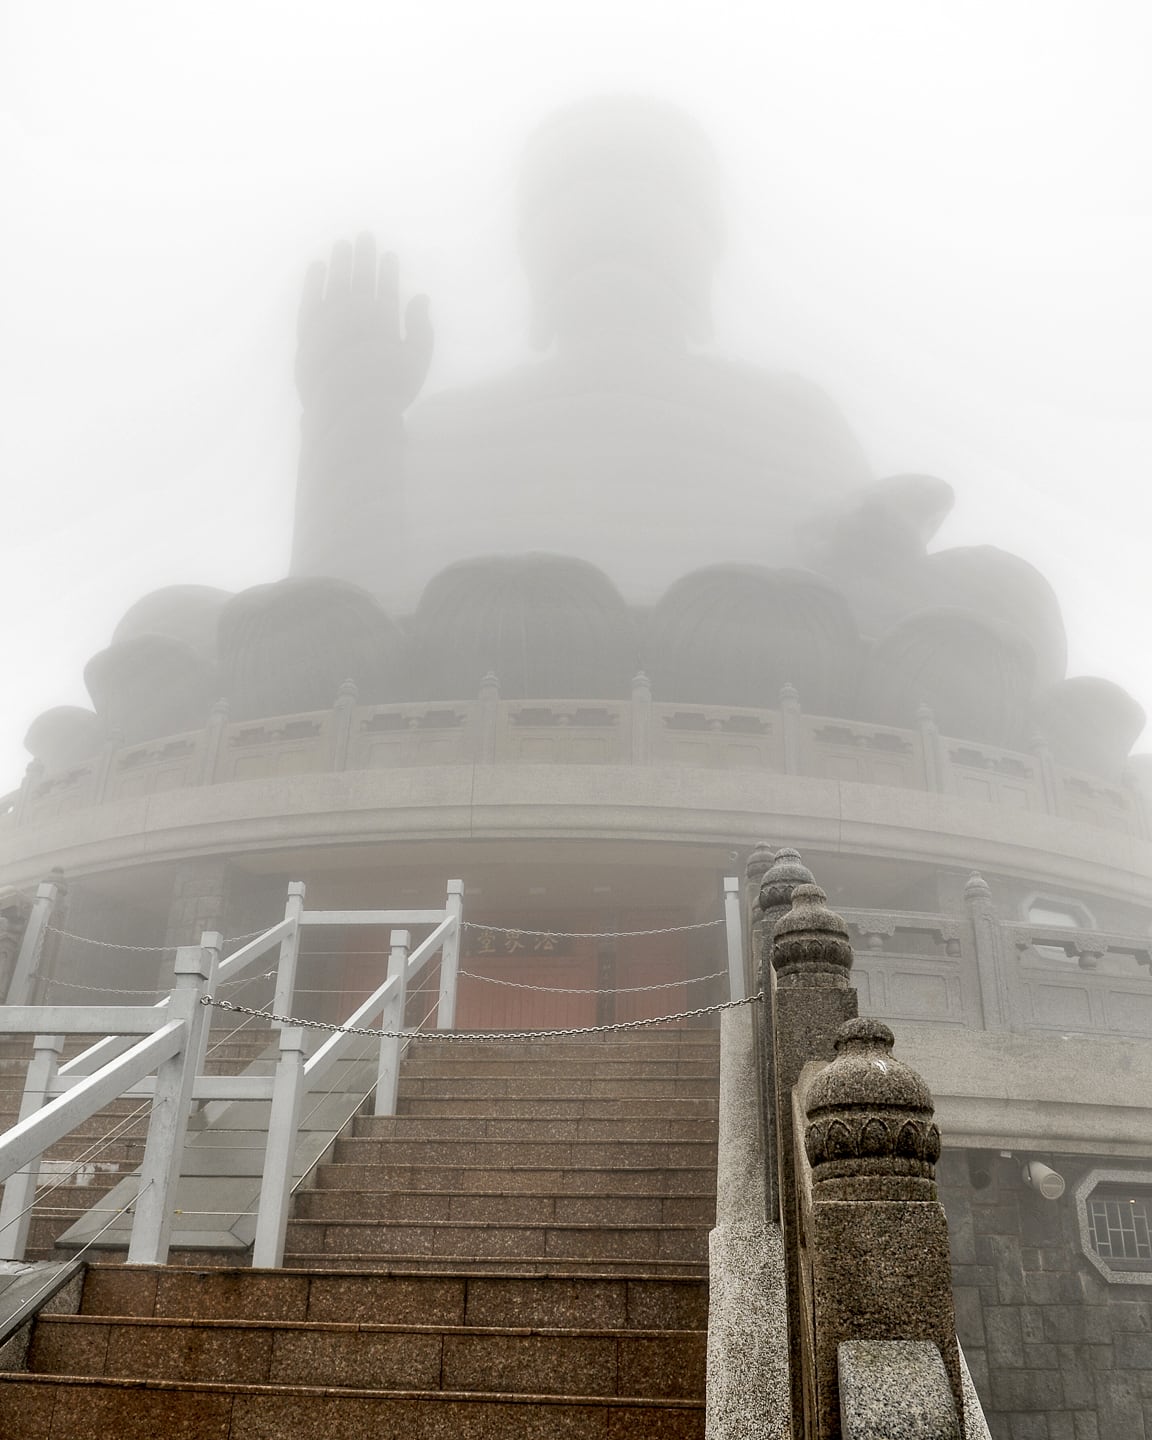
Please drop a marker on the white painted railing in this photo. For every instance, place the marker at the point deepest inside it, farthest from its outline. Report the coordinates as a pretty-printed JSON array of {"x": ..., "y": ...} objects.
[
  {"x": 166, "y": 1067},
  {"x": 386, "y": 1005},
  {"x": 169, "y": 1051}
]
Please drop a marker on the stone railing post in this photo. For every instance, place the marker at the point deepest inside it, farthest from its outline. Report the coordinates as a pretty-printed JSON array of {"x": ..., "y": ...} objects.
[
  {"x": 1049, "y": 779},
  {"x": 811, "y": 957},
  {"x": 937, "y": 765},
  {"x": 345, "y": 704},
  {"x": 102, "y": 766},
  {"x": 876, "y": 1266},
  {"x": 995, "y": 995},
  {"x": 488, "y": 718},
  {"x": 33, "y": 775},
  {"x": 641, "y": 718},
  {"x": 213, "y": 742},
  {"x": 790, "y": 739}
]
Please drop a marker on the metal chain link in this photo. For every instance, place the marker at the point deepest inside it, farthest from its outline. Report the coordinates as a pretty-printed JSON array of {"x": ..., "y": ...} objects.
[
  {"x": 589, "y": 934},
  {"x": 100, "y": 989},
  {"x": 460, "y": 1035},
  {"x": 144, "y": 949},
  {"x": 619, "y": 990}
]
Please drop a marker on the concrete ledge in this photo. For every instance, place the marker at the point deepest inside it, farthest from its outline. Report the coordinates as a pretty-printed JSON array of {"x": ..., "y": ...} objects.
[{"x": 609, "y": 802}]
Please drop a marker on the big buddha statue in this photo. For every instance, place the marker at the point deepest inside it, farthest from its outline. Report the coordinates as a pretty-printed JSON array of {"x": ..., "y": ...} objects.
[
  {"x": 627, "y": 442},
  {"x": 628, "y": 499}
]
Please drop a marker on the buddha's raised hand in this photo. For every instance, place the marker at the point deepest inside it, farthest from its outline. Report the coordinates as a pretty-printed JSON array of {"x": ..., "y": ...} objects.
[{"x": 350, "y": 349}]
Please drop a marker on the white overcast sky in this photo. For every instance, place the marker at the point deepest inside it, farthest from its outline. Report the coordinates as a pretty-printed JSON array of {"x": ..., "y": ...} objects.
[{"x": 940, "y": 211}]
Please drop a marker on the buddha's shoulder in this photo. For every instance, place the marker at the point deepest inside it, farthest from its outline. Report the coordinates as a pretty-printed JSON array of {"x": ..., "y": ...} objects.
[{"x": 697, "y": 384}]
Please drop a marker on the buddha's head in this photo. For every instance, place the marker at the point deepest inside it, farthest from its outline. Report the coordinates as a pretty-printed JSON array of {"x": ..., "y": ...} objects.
[{"x": 620, "y": 223}]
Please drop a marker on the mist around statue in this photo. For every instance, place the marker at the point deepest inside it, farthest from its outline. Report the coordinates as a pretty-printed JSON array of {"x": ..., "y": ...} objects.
[{"x": 749, "y": 343}]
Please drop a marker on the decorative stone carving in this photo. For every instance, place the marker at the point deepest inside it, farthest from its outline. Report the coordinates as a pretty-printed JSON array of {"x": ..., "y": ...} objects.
[
  {"x": 779, "y": 883},
  {"x": 758, "y": 864},
  {"x": 870, "y": 1134},
  {"x": 811, "y": 948}
]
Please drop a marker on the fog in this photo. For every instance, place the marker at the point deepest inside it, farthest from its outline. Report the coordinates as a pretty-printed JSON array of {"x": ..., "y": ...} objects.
[{"x": 942, "y": 215}]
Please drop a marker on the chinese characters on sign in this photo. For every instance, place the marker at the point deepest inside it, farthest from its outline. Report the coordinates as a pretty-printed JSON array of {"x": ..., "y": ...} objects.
[{"x": 480, "y": 942}]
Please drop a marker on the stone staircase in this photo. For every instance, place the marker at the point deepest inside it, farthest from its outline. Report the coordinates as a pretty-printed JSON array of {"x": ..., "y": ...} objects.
[
  {"x": 519, "y": 1253},
  {"x": 80, "y": 1170}
]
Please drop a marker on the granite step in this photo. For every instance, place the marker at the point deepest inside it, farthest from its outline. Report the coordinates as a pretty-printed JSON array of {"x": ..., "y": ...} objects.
[
  {"x": 521, "y": 1252},
  {"x": 627, "y": 1300},
  {"x": 488, "y": 1240},
  {"x": 426, "y": 1207},
  {"x": 514, "y": 1108},
  {"x": 462, "y": 1127},
  {"x": 592, "y": 1086},
  {"x": 569, "y": 1267},
  {"x": 536, "y": 1154},
  {"x": 660, "y": 1045},
  {"x": 520, "y": 1179},
  {"x": 598, "y": 1362},
  {"x": 132, "y": 1410}
]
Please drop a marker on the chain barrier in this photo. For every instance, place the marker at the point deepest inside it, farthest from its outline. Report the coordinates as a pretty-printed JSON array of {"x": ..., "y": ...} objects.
[
  {"x": 145, "y": 949},
  {"x": 619, "y": 990},
  {"x": 469, "y": 1035},
  {"x": 589, "y": 934}
]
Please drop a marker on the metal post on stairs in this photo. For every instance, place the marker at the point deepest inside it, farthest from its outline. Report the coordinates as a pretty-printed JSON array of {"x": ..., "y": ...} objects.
[
  {"x": 283, "y": 1125},
  {"x": 171, "y": 1105},
  {"x": 289, "y": 951},
  {"x": 23, "y": 984},
  {"x": 20, "y": 1189},
  {"x": 392, "y": 1018},
  {"x": 736, "y": 987},
  {"x": 450, "y": 958}
]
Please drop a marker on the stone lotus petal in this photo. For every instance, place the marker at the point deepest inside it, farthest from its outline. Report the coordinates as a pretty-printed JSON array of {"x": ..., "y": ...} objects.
[
  {"x": 548, "y": 626},
  {"x": 975, "y": 675},
  {"x": 737, "y": 634},
  {"x": 289, "y": 646},
  {"x": 150, "y": 686}
]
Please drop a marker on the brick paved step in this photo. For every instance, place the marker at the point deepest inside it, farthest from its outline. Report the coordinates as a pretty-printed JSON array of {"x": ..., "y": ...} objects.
[
  {"x": 550, "y": 1208},
  {"x": 458, "y": 1297},
  {"x": 487, "y": 1240},
  {"x": 571, "y": 1362},
  {"x": 521, "y": 1179},
  {"x": 130, "y": 1410},
  {"x": 590, "y": 1087},
  {"x": 462, "y": 1127}
]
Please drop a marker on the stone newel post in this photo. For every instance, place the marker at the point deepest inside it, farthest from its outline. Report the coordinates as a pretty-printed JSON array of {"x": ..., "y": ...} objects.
[
  {"x": 875, "y": 1263},
  {"x": 811, "y": 957}
]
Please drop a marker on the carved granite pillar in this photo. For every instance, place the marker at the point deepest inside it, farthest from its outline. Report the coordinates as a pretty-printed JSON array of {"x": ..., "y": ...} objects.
[
  {"x": 876, "y": 1262},
  {"x": 778, "y": 881},
  {"x": 811, "y": 956},
  {"x": 995, "y": 998},
  {"x": 641, "y": 718},
  {"x": 790, "y": 740}
]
